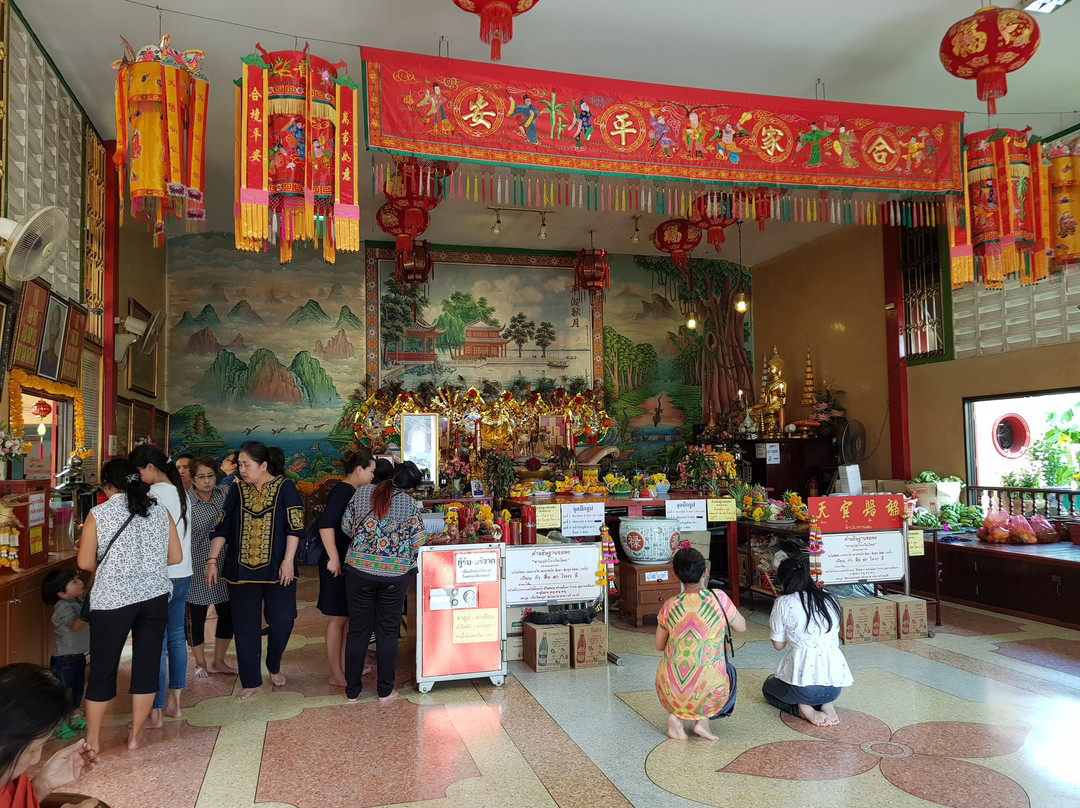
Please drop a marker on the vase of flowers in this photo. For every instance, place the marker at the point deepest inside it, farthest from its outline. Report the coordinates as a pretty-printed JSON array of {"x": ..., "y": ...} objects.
[
  {"x": 456, "y": 470},
  {"x": 11, "y": 447}
]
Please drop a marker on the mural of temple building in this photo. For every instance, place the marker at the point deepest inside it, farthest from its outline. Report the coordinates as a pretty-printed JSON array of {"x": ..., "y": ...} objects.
[
  {"x": 481, "y": 341},
  {"x": 418, "y": 334}
]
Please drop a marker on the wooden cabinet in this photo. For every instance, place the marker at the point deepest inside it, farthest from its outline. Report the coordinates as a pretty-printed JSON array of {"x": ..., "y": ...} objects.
[
  {"x": 26, "y": 633},
  {"x": 643, "y": 589},
  {"x": 801, "y": 460}
]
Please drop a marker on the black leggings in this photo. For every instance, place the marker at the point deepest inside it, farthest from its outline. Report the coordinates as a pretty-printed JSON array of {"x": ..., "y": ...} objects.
[
  {"x": 196, "y": 623},
  {"x": 109, "y": 629}
]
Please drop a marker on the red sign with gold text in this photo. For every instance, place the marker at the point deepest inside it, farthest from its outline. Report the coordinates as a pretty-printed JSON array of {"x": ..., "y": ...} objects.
[
  {"x": 456, "y": 110},
  {"x": 847, "y": 514}
]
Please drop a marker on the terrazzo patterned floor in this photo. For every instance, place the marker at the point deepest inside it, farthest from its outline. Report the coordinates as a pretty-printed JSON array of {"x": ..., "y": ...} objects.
[{"x": 984, "y": 714}]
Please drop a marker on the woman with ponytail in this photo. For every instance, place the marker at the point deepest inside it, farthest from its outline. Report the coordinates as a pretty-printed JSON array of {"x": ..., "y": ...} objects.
[
  {"x": 384, "y": 523},
  {"x": 254, "y": 546},
  {"x": 809, "y": 678},
  {"x": 167, "y": 487},
  {"x": 130, "y": 541}
]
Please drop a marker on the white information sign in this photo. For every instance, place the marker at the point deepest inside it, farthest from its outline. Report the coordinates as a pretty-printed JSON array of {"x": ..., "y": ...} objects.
[
  {"x": 656, "y": 575},
  {"x": 852, "y": 557},
  {"x": 476, "y": 567},
  {"x": 759, "y": 451},
  {"x": 772, "y": 454},
  {"x": 546, "y": 573},
  {"x": 691, "y": 513},
  {"x": 582, "y": 518},
  {"x": 37, "y": 510}
]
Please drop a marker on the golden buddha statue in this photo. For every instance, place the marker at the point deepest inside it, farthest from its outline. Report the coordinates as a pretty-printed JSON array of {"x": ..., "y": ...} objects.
[{"x": 768, "y": 412}]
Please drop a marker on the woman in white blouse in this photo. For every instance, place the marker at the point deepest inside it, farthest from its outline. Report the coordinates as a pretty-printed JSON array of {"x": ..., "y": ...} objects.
[{"x": 809, "y": 678}]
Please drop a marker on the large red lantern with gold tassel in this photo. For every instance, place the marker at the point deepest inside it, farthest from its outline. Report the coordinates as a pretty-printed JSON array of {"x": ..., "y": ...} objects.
[
  {"x": 713, "y": 212},
  {"x": 677, "y": 237},
  {"x": 496, "y": 20},
  {"x": 985, "y": 46},
  {"x": 591, "y": 271},
  {"x": 413, "y": 261}
]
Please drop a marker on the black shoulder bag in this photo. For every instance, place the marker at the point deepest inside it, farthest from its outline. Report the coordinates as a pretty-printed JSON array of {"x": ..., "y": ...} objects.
[
  {"x": 728, "y": 706},
  {"x": 84, "y": 613}
]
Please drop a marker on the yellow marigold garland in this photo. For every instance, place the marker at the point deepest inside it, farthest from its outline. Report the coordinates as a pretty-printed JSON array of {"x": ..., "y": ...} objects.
[{"x": 19, "y": 378}]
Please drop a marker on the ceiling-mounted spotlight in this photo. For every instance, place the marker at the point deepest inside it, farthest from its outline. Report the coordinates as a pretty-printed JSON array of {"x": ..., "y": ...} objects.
[
  {"x": 543, "y": 226},
  {"x": 742, "y": 302},
  {"x": 634, "y": 239},
  {"x": 498, "y": 221}
]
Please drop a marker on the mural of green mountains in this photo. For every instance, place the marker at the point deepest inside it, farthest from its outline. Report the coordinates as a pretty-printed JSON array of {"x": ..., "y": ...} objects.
[
  {"x": 316, "y": 387},
  {"x": 207, "y": 318},
  {"x": 243, "y": 313},
  {"x": 310, "y": 312},
  {"x": 198, "y": 433},
  {"x": 264, "y": 378},
  {"x": 346, "y": 319}
]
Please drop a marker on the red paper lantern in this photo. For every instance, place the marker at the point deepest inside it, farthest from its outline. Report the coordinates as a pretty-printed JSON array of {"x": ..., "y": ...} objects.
[
  {"x": 41, "y": 409},
  {"x": 413, "y": 262},
  {"x": 408, "y": 197},
  {"x": 713, "y": 212},
  {"x": 496, "y": 20},
  {"x": 677, "y": 237},
  {"x": 985, "y": 46},
  {"x": 591, "y": 271},
  {"x": 413, "y": 265}
]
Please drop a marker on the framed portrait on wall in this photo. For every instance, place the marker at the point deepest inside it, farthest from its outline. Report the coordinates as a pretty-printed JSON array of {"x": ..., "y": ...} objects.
[
  {"x": 142, "y": 422},
  {"x": 420, "y": 442},
  {"x": 52, "y": 338},
  {"x": 142, "y": 368},
  {"x": 7, "y": 325},
  {"x": 123, "y": 426},
  {"x": 74, "y": 332},
  {"x": 161, "y": 430},
  {"x": 33, "y": 304}
]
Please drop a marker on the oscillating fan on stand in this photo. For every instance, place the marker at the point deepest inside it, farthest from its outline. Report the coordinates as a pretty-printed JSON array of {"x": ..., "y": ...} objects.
[
  {"x": 32, "y": 244},
  {"x": 852, "y": 451}
]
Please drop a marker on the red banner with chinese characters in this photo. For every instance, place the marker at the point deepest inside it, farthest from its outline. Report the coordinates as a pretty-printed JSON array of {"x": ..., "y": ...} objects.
[
  {"x": 457, "y": 110},
  {"x": 846, "y": 514},
  {"x": 254, "y": 193}
]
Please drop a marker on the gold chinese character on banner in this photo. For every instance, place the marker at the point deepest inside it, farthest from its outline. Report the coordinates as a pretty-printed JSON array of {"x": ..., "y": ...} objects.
[
  {"x": 870, "y": 508},
  {"x": 893, "y": 507},
  {"x": 771, "y": 138},
  {"x": 845, "y": 509},
  {"x": 478, "y": 112},
  {"x": 622, "y": 126}
]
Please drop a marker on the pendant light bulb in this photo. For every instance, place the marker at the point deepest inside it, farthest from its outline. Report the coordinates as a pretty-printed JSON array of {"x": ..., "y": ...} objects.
[
  {"x": 634, "y": 239},
  {"x": 543, "y": 226},
  {"x": 742, "y": 303},
  {"x": 691, "y": 323},
  {"x": 498, "y": 221}
]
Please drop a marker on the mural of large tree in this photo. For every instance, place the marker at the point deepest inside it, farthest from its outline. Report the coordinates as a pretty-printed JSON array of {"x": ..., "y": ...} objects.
[
  {"x": 627, "y": 366},
  {"x": 708, "y": 290},
  {"x": 520, "y": 330},
  {"x": 399, "y": 307},
  {"x": 457, "y": 312},
  {"x": 545, "y": 335}
]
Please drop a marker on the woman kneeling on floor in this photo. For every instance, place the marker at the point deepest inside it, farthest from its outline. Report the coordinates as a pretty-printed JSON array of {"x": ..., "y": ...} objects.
[
  {"x": 809, "y": 678},
  {"x": 692, "y": 680}
]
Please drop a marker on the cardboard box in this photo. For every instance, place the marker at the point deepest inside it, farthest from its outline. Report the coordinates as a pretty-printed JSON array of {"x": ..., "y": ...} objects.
[
  {"x": 910, "y": 616},
  {"x": 515, "y": 644},
  {"x": 934, "y": 495},
  {"x": 883, "y": 624},
  {"x": 514, "y": 615},
  {"x": 588, "y": 645},
  {"x": 892, "y": 486},
  {"x": 867, "y": 620},
  {"x": 870, "y": 486},
  {"x": 546, "y": 648}
]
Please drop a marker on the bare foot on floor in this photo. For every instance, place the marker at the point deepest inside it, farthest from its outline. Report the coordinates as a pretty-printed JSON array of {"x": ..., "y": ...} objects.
[
  {"x": 815, "y": 717},
  {"x": 247, "y": 693},
  {"x": 174, "y": 712},
  {"x": 221, "y": 667},
  {"x": 830, "y": 711},
  {"x": 172, "y": 704},
  {"x": 675, "y": 729},
  {"x": 134, "y": 739},
  {"x": 201, "y": 673},
  {"x": 338, "y": 681},
  {"x": 277, "y": 679},
  {"x": 368, "y": 669},
  {"x": 393, "y": 695},
  {"x": 155, "y": 721},
  {"x": 701, "y": 728}
]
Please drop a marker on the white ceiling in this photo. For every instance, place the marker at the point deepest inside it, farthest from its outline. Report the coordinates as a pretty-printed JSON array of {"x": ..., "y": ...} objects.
[{"x": 867, "y": 51}]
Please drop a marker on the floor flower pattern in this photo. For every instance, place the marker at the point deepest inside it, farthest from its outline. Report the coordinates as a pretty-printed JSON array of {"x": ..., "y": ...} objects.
[{"x": 921, "y": 759}]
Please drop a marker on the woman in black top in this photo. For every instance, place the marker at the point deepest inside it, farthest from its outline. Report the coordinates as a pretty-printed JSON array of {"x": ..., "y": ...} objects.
[{"x": 359, "y": 466}]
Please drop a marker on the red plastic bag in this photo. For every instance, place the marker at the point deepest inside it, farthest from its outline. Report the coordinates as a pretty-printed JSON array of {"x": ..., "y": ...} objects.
[
  {"x": 996, "y": 525},
  {"x": 1045, "y": 533},
  {"x": 1020, "y": 531}
]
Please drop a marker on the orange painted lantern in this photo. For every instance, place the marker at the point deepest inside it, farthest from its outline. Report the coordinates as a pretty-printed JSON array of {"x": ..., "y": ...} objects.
[
  {"x": 413, "y": 262},
  {"x": 985, "y": 46},
  {"x": 496, "y": 20},
  {"x": 1064, "y": 211},
  {"x": 591, "y": 271},
  {"x": 677, "y": 237},
  {"x": 713, "y": 212}
]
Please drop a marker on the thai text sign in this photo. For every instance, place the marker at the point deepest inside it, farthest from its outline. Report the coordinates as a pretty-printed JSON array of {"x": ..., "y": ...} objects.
[
  {"x": 852, "y": 557},
  {"x": 457, "y": 110}
]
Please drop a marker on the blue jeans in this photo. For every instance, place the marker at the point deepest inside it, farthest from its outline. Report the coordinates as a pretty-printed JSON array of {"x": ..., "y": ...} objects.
[
  {"x": 71, "y": 671},
  {"x": 788, "y": 697},
  {"x": 174, "y": 649}
]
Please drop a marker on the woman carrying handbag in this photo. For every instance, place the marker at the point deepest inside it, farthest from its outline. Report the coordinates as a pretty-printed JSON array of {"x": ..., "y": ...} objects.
[
  {"x": 130, "y": 541},
  {"x": 692, "y": 679}
]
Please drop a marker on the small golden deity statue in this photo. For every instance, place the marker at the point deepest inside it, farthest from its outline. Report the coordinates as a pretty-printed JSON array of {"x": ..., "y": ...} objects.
[{"x": 769, "y": 411}]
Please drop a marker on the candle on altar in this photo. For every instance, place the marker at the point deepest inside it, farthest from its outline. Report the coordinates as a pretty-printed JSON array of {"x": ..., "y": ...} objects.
[{"x": 476, "y": 438}]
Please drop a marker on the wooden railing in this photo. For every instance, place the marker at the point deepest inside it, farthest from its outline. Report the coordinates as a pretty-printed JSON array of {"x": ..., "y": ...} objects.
[{"x": 1026, "y": 501}]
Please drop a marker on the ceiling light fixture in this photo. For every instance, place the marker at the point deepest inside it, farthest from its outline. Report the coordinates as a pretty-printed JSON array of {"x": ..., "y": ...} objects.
[
  {"x": 1044, "y": 6},
  {"x": 742, "y": 299},
  {"x": 634, "y": 239},
  {"x": 543, "y": 226}
]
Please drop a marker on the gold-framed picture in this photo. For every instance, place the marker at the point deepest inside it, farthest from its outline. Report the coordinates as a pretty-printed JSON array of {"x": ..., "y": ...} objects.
[
  {"x": 420, "y": 442},
  {"x": 142, "y": 368}
]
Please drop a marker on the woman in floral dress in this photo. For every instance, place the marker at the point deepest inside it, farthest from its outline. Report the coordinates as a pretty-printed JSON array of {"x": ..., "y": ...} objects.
[{"x": 692, "y": 680}]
